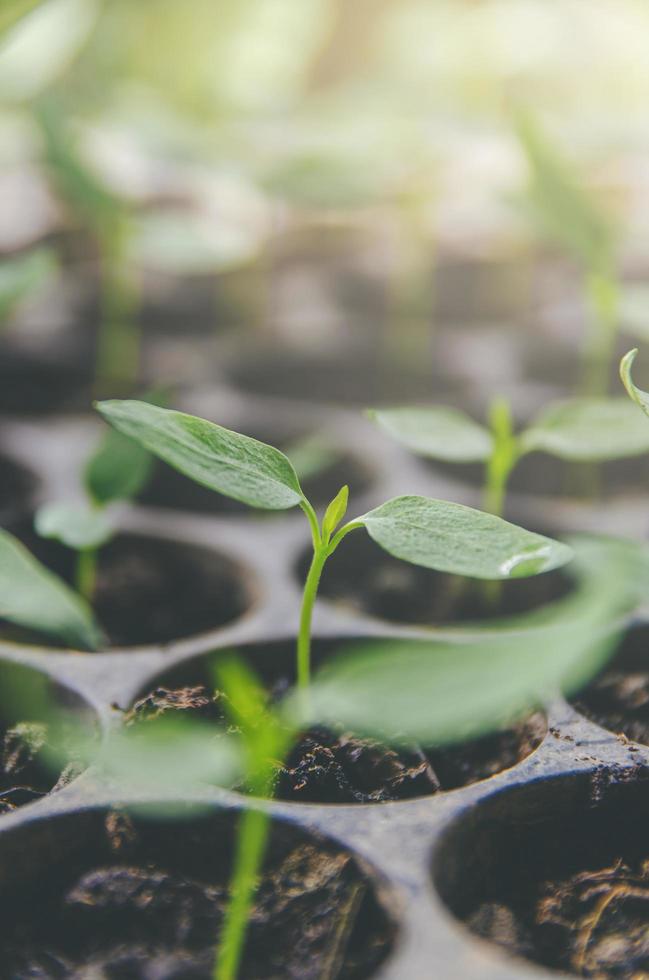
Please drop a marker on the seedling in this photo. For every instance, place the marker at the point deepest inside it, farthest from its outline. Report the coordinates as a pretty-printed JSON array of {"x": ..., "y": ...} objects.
[
  {"x": 568, "y": 215},
  {"x": 583, "y": 430},
  {"x": 432, "y": 533},
  {"x": 31, "y": 595},
  {"x": 118, "y": 354},
  {"x": 116, "y": 471}
]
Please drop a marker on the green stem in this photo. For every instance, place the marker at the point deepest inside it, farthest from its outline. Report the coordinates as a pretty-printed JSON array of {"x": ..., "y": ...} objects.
[
  {"x": 320, "y": 555},
  {"x": 86, "y": 573},
  {"x": 602, "y": 294},
  {"x": 252, "y": 838}
]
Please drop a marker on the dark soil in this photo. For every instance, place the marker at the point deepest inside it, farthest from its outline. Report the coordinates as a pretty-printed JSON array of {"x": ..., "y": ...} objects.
[
  {"x": 363, "y": 576},
  {"x": 17, "y": 486},
  {"x": 337, "y": 766},
  {"x": 25, "y": 775},
  {"x": 568, "y": 889},
  {"x": 618, "y": 699},
  {"x": 147, "y": 903},
  {"x": 150, "y": 590},
  {"x": 35, "y": 715}
]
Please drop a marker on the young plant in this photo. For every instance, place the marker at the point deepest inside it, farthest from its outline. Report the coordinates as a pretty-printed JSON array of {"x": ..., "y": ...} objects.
[
  {"x": 34, "y": 597},
  {"x": 118, "y": 346},
  {"x": 117, "y": 470},
  {"x": 582, "y": 430},
  {"x": 568, "y": 215},
  {"x": 436, "y": 534}
]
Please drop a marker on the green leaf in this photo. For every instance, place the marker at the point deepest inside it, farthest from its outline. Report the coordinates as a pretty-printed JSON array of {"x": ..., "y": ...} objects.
[
  {"x": 76, "y": 526},
  {"x": 32, "y": 596},
  {"x": 588, "y": 429},
  {"x": 118, "y": 470},
  {"x": 22, "y": 276},
  {"x": 438, "y": 692},
  {"x": 564, "y": 210},
  {"x": 335, "y": 512},
  {"x": 453, "y": 538},
  {"x": 225, "y": 461},
  {"x": 437, "y": 432},
  {"x": 639, "y": 396}
]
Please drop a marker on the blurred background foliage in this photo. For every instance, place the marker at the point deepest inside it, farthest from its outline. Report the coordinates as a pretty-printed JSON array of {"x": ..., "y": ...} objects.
[{"x": 332, "y": 164}]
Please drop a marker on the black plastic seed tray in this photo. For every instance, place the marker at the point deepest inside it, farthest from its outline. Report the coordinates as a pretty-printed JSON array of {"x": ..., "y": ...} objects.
[{"x": 449, "y": 873}]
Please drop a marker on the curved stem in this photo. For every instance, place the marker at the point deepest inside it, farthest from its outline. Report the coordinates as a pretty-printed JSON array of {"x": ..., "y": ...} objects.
[
  {"x": 313, "y": 523},
  {"x": 343, "y": 532}
]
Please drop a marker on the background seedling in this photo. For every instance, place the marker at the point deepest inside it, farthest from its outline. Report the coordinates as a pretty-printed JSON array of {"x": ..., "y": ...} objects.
[
  {"x": 31, "y": 595},
  {"x": 583, "y": 430},
  {"x": 118, "y": 344},
  {"x": 569, "y": 216},
  {"x": 432, "y": 533},
  {"x": 118, "y": 470}
]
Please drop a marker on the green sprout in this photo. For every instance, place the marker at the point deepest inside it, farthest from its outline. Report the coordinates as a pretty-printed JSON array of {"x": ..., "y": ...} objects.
[
  {"x": 435, "y": 534},
  {"x": 34, "y": 597},
  {"x": 582, "y": 430},
  {"x": 117, "y": 470},
  {"x": 568, "y": 215},
  {"x": 118, "y": 348}
]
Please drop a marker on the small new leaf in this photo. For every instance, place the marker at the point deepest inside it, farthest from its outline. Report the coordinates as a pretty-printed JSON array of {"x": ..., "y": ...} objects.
[
  {"x": 335, "y": 512},
  {"x": 31, "y": 596},
  {"x": 76, "y": 526},
  {"x": 588, "y": 429},
  {"x": 453, "y": 538},
  {"x": 639, "y": 396},
  {"x": 225, "y": 461},
  {"x": 437, "y": 432}
]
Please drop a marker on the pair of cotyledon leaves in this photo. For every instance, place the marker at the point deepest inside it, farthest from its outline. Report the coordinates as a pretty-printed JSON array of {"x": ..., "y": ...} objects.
[
  {"x": 432, "y": 533},
  {"x": 580, "y": 429}
]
